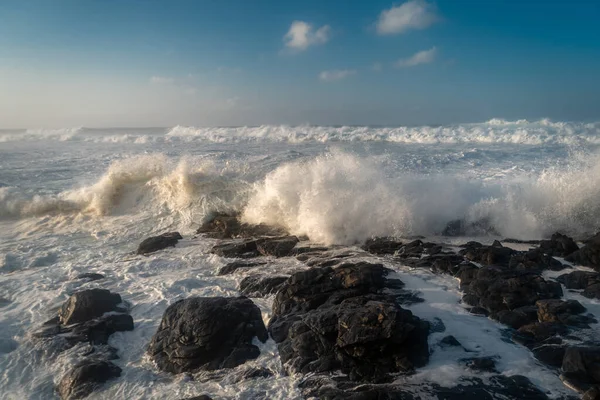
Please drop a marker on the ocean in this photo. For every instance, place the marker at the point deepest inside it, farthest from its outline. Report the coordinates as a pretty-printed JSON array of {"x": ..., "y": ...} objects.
[{"x": 80, "y": 200}]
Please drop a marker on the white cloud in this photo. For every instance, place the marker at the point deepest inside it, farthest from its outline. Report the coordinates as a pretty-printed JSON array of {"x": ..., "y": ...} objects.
[
  {"x": 302, "y": 35},
  {"x": 377, "y": 67},
  {"x": 336, "y": 74},
  {"x": 162, "y": 80},
  {"x": 414, "y": 14},
  {"x": 422, "y": 57}
]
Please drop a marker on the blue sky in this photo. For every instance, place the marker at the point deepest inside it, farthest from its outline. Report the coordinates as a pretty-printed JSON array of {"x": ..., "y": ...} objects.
[{"x": 250, "y": 62}]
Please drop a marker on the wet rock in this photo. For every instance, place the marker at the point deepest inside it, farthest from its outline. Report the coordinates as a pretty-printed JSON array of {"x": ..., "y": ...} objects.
[
  {"x": 250, "y": 373},
  {"x": 261, "y": 286},
  {"x": 86, "y": 377},
  {"x": 565, "y": 312},
  {"x": 449, "y": 341},
  {"x": 445, "y": 263},
  {"x": 489, "y": 255},
  {"x": 539, "y": 331},
  {"x": 202, "y": 397},
  {"x": 460, "y": 227},
  {"x": 328, "y": 319},
  {"x": 279, "y": 247},
  {"x": 550, "y": 354},
  {"x": 513, "y": 318},
  {"x": 237, "y": 249},
  {"x": 579, "y": 279},
  {"x": 497, "y": 289},
  {"x": 88, "y": 304},
  {"x": 478, "y": 311},
  {"x": 592, "y": 394},
  {"x": 382, "y": 245},
  {"x": 202, "y": 333},
  {"x": 581, "y": 367},
  {"x": 234, "y": 266},
  {"x": 592, "y": 291},
  {"x": 482, "y": 364},
  {"x": 413, "y": 249},
  {"x": 588, "y": 255},
  {"x": 559, "y": 245},
  {"x": 156, "y": 243},
  {"x": 90, "y": 276},
  {"x": 228, "y": 226},
  {"x": 535, "y": 259}
]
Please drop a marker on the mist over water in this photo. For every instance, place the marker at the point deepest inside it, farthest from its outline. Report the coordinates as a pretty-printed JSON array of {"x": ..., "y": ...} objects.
[{"x": 80, "y": 200}]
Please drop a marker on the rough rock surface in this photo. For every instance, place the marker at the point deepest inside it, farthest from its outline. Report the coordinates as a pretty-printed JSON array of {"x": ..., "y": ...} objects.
[
  {"x": 231, "y": 267},
  {"x": 228, "y": 226},
  {"x": 581, "y": 366},
  {"x": 579, "y": 279},
  {"x": 85, "y": 377},
  {"x": 382, "y": 245},
  {"x": 559, "y": 245},
  {"x": 88, "y": 304},
  {"x": 328, "y": 319},
  {"x": 249, "y": 248},
  {"x": 156, "y": 243},
  {"x": 207, "y": 333},
  {"x": 261, "y": 286},
  {"x": 588, "y": 255}
]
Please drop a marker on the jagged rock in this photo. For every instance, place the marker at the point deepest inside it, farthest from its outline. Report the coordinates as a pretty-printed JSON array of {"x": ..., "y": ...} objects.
[
  {"x": 445, "y": 263},
  {"x": 277, "y": 247},
  {"x": 460, "y": 227},
  {"x": 550, "y": 354},
  {"x": 592, "y": 394},
  {"x": 535, "y": 259},
  {"x": 86, "y": 377},
  {"x": 539, "y": 331},
  {"x": 382, "y": 245},
  {"x": 588, "y": 255},
  {"x": 518, "y": 317},
  {"x": 482, "y": 364},
  {"x": 592, "y": 291},
  {"x": 563, "y": 311},
  {"x": 88, "y": 304},
  {"x": 156, "y": 243},
  {"x": 497, "y": 289},
  {"x": 495, "y": 254},
  {"x": 91, "y": 276},
  {"x": 449, "y": 341},
  {"x": 237, "y": 249},
  {"x": 228, "y": 226},
  {"x": 204, "y": 333},
  {"x": 413, "y": 249},
  {"x": 234, "y": 266},
  {"x": 261, "y": 286},
  {"x": 328, "y": 319},
  {"x": 579, "y": 279},
  {"x": 581, "y": 365},
  {"x": 559, "y": 245}
]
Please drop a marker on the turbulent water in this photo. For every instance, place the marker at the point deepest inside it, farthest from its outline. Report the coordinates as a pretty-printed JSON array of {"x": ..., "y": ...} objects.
[{"x": 80, "y": 200}]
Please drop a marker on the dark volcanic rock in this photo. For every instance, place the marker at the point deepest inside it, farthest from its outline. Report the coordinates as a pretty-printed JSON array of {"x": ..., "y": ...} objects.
[
  {"x": 234, "y": 266},
  {"x": 535, "y": 259},
  {"x": 483, "y": 364},
  {"x": 559, "y": 245},
  {"x": 588, "y": 255},
  {"x": 277, "y": 247},
  {"x": 540, "y": 331},
  {"x": 327, "y": 319},
  {"x": 581, "y": 365},
  {"x": 449, "y": 341},
  {"x": 88, "y": 304},
  {"x": 237, "y": 249},
  {"x": 495, "y": 254},
  {"x": 85, "y": 377},
  {"x": 579, "y": 279},
  {"x": 460, "y": 227},
  {"x": 497, "y": 289},
  {"x": 592, "y": 291},
  {"x": 382, "y": 245},
  {"x": 156, "y": 243},
  {"x": 565, "y": 312},
  {"x": 261, "y": 286},
  {"x": 514, "y": 319},
  {"x": 207, "y": 333},
  {"x": 226, "y": 226},
  {"x": 550, "y": 354},
  {"x": 91, "y": 276}
]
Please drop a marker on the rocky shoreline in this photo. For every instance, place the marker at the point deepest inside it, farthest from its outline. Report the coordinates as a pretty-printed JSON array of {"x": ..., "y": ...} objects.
[{"x": 341, "y": 321}]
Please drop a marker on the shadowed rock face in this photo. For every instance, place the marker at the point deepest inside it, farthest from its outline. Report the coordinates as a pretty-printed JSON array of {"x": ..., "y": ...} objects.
[
  {"x": 85, "y": 377},
  {"x": 588, "y": 255},
  {"x": 88, "y": 304},
  {"x": 156, "y": 243},
  {"x": 261, "y": 286},
  {"x": 328, "y": 319},
  {"x": 202, "y": 333},
  {"x": 249, "y": 248},
  {"x": 228, "y": 226},
  {"x": 559, "y": 246}
]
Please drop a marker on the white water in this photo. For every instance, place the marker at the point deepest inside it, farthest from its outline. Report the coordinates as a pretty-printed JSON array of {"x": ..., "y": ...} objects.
[{"x": 80, "y": 200}]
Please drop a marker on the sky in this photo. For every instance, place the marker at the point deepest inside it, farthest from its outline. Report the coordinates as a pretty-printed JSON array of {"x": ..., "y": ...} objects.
[{"x": 145, "y": 63}]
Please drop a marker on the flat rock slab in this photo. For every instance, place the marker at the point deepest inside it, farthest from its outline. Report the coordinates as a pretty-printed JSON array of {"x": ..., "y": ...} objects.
[{"x": 156, "y": 243}]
